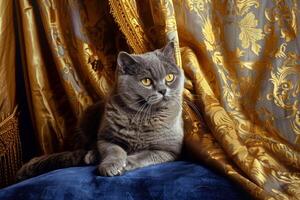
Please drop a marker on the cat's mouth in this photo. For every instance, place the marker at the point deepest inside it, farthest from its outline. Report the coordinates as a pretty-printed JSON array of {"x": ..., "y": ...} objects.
[
  {"x": 154, "y": 99},
  {"x": 165, "y": 98}
]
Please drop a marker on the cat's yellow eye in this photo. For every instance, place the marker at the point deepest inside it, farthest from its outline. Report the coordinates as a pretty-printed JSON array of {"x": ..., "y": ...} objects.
[
  {"x": 169, "y": 77},
  {"x": 146, "y": 81}
]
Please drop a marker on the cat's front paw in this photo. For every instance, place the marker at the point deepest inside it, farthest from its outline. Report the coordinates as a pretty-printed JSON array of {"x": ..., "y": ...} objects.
[
  {"x": 131, "y": 163},
  {"x": 112, "y": 167}
]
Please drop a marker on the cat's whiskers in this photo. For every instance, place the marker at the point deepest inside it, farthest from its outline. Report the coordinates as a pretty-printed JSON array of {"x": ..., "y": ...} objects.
[
  {"x": 143, "y": 116},
  {"x": 137, "y": 113},
  {"x": 139, "y": 101},
  {"x": 184, "y": 109},
  {"x": 148, "y": 114},
  {"x": 191, "y": 104},
  {"x": 136, "y": 116},
  {"x": 180, "y": 104}
]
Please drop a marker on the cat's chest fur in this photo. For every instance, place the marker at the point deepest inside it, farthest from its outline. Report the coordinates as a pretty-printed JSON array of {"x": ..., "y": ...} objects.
[{"x": 136, "y": 132}]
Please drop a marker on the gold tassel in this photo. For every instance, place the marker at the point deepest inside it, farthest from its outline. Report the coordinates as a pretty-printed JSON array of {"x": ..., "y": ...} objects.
[{"x": 10, "y": 149}]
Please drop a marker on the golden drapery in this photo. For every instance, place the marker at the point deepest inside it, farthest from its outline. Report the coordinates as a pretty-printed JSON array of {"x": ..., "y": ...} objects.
[
  {"x": 241, "y": 60},
  {"x": 10, "y": 150}
]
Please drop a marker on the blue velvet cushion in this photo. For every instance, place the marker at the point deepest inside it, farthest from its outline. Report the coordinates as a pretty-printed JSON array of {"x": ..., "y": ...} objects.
[{"x": 175, "y": 180}]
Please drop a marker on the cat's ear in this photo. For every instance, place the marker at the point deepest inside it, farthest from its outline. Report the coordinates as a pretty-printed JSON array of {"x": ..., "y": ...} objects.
[
  {"x": 126, "y": 63},
  {"x": 169, "y": 50}
]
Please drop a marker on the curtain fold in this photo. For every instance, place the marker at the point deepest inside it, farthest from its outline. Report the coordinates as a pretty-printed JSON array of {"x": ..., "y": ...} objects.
[
  {"x": 240, "y": 57},
  {"x": 10, "y": 149},
  {"x": 68, "y": 63},
  {"x": 241, "y": 60}
]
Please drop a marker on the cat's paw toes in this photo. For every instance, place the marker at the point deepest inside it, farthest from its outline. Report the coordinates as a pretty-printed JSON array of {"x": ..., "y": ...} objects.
[
  {"x": 112, "y": 168},
  {"x": 90, "y": 158}
]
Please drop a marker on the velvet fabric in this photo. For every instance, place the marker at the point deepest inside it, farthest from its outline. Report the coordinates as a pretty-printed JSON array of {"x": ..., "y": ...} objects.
[{"x": 174, "y": 180}]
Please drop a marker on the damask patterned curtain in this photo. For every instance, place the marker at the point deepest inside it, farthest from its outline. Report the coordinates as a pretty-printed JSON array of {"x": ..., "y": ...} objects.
[{"x": 241, "y": 59}]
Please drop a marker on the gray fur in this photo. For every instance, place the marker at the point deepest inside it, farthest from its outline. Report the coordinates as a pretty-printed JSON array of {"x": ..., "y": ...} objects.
[
  {"x": 138, "y": 128},
  {"x": 140, "y": 125}
]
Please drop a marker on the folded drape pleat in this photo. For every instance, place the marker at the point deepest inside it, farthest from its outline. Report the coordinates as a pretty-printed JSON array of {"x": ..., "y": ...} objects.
[
  {"x": 69, "y": 50},
  {"x": 241, "y": 63},
  {"x": 10, "y": 147}
]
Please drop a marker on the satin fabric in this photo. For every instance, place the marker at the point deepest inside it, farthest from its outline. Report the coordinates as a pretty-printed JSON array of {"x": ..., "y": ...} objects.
[
  {"x": 10, "y": 149},
  {"x": 7, "y": 60},
  {"x": 240, "y": 58},
  {"x": 167, "y": 181}
]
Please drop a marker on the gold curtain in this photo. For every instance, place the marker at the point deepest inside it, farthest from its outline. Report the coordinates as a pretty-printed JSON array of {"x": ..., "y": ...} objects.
[
  {"x": 68, "y": 63},
  {"x": 10, "y": 149},
  {"x": 241, "y": 59}
]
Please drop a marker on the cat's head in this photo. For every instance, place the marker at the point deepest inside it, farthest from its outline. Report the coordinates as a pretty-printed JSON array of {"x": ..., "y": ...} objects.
[{"x": 152, "y": 78}]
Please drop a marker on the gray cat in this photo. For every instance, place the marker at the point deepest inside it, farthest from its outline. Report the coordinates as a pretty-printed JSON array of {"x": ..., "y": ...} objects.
[{"x": 141, "y": 123}]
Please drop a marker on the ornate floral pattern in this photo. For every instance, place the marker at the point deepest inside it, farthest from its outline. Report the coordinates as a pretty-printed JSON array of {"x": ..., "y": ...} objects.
[
  {"x": 240, "y": 58},
  {"x": 249, "y": 33},
  {"x": 240, "y": 63}
]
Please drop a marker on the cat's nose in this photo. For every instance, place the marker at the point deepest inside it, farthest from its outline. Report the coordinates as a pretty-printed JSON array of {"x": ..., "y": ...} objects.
[{"x": 163, "y": 91}]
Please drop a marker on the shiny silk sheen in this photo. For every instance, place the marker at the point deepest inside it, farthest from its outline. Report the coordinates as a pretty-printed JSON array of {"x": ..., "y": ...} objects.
[
  {"x": 241, "y": 60},
  {"x": 10, "y": 149},
  {"x": 7, "y": 61}
]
